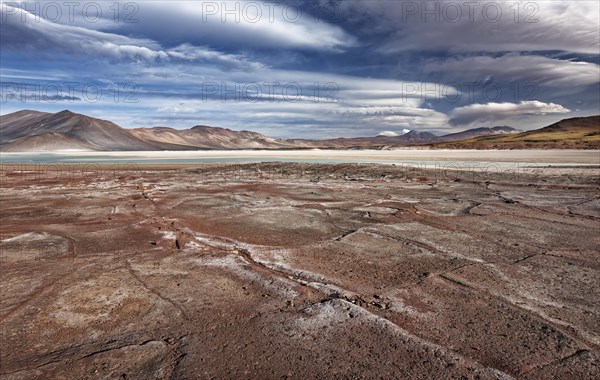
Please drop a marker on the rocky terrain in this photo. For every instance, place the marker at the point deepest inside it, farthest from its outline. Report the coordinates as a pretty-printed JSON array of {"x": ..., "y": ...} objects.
[{"x": 299, "y": 271}]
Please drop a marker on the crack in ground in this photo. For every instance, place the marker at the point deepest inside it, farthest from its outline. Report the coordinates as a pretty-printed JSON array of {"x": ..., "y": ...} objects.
[
  {"x": 373, "y": 308},
  {"x": 376, "y": 317},
  {"x": 538, "y": 367},
  {"x": 533, "y": 313},
  {"x": 345, "y": 234},
  {"x": 247, "y": 256},
  {"x": 97, "y": 352},
  {"x": 47, "y": 287},
  {"x": 153, "y": 291}
]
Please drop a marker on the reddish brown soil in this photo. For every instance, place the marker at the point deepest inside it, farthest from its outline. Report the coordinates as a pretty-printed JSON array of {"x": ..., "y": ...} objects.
[{"x": 299, "y": 271}]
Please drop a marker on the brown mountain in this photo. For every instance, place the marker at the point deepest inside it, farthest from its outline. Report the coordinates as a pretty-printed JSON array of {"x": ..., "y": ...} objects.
[
  {"x": 204, "y": 137},
  {"x": 407, "y": 139},
  {"x": 39, "y": 131},
  {"x": 478, "y": 132},
  {"x": 46, "y": 142},
  {"x": 575, "y": 133},
  {"x": 29, "y": 130}
]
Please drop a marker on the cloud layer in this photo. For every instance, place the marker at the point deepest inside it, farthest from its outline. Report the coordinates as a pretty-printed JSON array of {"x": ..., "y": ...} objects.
[
  {"x": 533, "y": 69},
  {"x": 308, "y": 69},
  {"x": 501, "y": 111},
  {"x": 497, "y": 26}
]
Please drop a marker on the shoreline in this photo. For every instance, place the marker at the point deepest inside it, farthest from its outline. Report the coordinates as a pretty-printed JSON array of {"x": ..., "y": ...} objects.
[{"x": 550, "y": 157}]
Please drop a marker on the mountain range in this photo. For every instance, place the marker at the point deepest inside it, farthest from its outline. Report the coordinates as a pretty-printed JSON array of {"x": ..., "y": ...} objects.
[
  {"x": 574, "y": 133},
  {"x": 27, "y": 131}
]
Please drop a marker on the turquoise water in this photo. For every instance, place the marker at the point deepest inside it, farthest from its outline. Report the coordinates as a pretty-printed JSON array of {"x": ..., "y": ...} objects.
[
  {"x": 52, "y": 158},
  {"x": 73, "y": 158}
]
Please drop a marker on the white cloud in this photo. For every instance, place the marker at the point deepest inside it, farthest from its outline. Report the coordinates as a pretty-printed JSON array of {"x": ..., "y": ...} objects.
[
  {"x": 393, "y": 134},
  {"x": 500, "y": 111},
  {"x": 188, "y": 52},
  {"x": 41, "y": 35},
  {"x": 456, "y": 26},
  {"x": 177, "y": 109},
  {"x": 364, "y": 106},
  {"x": 237, "y": 23},
  {"x": 516, "y": 67}
]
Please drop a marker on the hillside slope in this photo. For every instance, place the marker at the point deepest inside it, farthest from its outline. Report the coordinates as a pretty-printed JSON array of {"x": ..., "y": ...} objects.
[
  {"x": 575, "y": 133},
  {"x": 34, "y": 131},
  {"x": 204, "y": 137}
]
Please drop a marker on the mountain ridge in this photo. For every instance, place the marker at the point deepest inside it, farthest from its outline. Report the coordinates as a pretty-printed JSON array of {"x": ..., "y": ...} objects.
[
  {"x": 572, "y": 133},
  {"x": 30, "y": 130}
]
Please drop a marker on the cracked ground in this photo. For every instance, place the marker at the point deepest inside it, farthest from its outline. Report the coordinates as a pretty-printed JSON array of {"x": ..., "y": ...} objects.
[{"x": 299, "y": 271}]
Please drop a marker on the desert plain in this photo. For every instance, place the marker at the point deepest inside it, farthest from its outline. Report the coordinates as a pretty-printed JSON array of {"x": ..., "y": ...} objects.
[{"x": 283, "y": 270}]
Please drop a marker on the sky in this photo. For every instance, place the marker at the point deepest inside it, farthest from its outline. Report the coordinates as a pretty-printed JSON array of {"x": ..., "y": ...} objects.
[{"x": 304, "y": 69}]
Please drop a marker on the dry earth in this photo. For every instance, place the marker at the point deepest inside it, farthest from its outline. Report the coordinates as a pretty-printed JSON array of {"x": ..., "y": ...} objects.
[{"x": 299, "y": 271}]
